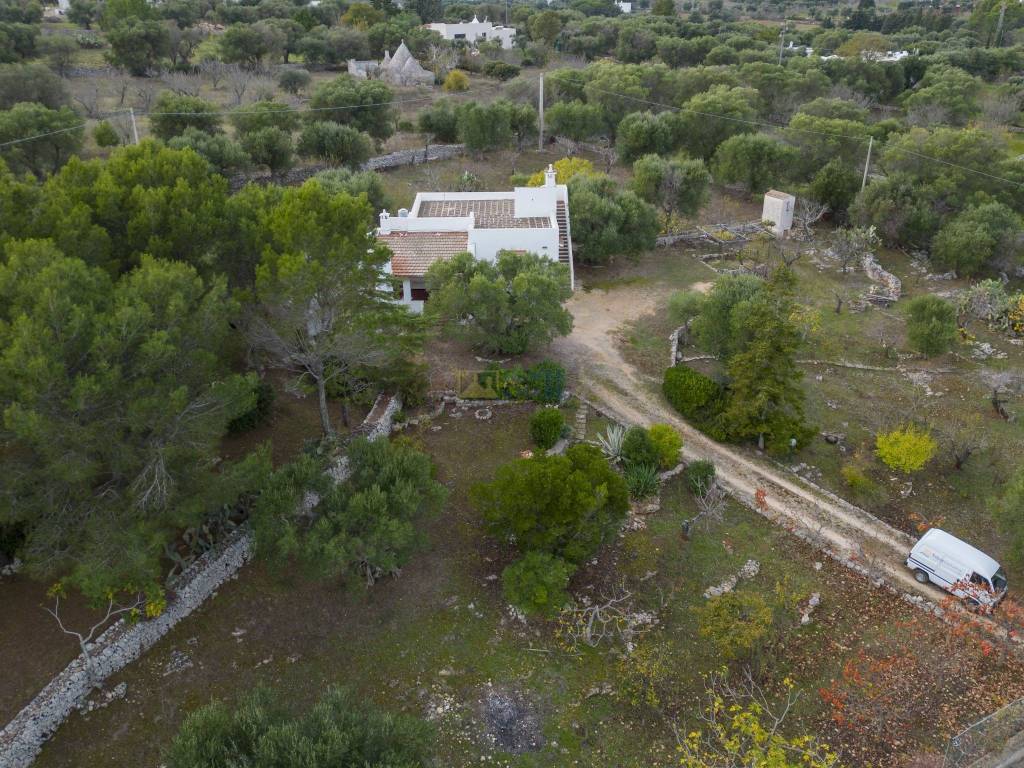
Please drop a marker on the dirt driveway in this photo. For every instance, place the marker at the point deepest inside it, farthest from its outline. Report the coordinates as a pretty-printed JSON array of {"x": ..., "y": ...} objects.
[{"x": 608, "y": 380}]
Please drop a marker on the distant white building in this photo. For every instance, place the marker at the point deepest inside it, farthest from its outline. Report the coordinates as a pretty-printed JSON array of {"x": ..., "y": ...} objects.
[
  {"x": 890, "y": 56},
  {"x": 885, "y": 58},
  {"x": 443, "y": 224},
  {"x": 778, "y": 209},
  {"x": 624, "y": 7},
  {"x": 475, "y": 31},
  {"x": 400, "y": 69}
]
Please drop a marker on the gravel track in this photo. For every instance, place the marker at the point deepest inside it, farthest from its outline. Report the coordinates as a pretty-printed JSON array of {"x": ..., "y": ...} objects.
[{"x": 841, "y": 529}]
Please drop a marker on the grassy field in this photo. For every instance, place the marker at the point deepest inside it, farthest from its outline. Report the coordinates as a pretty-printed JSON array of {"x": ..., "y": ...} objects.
[{"x": 439, "y": 641}]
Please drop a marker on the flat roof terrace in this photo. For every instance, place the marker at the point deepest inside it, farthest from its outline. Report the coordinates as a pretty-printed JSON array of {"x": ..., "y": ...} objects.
[{"x": 488, "y": 213}]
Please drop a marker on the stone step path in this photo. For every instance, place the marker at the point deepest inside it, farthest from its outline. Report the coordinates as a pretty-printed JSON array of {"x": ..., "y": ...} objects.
[{"x": 580, "y": 433}]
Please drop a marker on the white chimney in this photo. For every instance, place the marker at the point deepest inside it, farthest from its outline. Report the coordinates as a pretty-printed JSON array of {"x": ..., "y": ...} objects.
[{"x": 549, "y": 176}]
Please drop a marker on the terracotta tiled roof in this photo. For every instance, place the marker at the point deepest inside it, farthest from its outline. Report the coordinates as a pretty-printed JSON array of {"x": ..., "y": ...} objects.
[
  {"x": 490, "y": 214},
  {"x": 414, "y": 252}
]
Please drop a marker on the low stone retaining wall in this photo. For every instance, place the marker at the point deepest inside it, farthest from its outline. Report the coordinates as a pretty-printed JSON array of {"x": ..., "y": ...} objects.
[
  {"x": 123, "y": 642},
  {"x": 381, "y": 419},
  {"x": 673, "y": 340},
  {"x": 890, "y": 288},
  {"x": 397, "y": 159},
  {"x": 414, "y": 156}
]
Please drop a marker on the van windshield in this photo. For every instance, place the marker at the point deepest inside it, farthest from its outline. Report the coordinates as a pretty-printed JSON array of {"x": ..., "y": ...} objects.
[{"x": 999, "y": 580}]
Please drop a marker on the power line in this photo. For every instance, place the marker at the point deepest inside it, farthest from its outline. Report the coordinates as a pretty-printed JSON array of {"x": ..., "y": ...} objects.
[{"x": 42, "y": 135}]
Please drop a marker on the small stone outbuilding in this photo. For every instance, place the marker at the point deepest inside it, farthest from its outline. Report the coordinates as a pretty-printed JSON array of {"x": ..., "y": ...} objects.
[
  {"x": 778, "y": 210},
  {"x": 400, "y": 69}
]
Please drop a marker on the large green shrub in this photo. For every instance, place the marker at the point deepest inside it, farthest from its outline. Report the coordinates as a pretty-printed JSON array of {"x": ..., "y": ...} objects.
[
  {"x": 366, "y": 525},
  {"x": 931, "y": 325},
  {"x": 638, "y": 448},
  {"x": 271, "y": 147},
  {"x": 264, "y": 114},
  {"x": 104, "y": 135},
  {"x": 667, "y": 443},
  {"x": 683, "y": 306},
  {"x": 261, "y": 731},
  {"x": 697, "y": 397},
  {"x": 564, "y": 505},
  {"x": 546, "y": 427},
  {"x": 536, "y": 583},
  {"x": 500, "y": 70},
  {"x": 294, "y": 80},
  {"x": 717, "y": 329}
]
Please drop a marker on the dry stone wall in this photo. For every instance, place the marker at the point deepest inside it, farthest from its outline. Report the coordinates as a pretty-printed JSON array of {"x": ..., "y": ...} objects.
[
  {"x": 397, "y": 159},
  {"x": 124, "y": 641}
]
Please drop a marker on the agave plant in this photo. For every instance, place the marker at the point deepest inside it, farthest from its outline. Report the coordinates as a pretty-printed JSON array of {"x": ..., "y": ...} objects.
[
  {"x": 642, "y": 481},
  {"x": 611, "y": 442}
]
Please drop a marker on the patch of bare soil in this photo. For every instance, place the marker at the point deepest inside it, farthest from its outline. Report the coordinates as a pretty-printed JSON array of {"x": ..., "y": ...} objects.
[
  {"x": 31, "y": 644},
  {"x": 294, "y": 420}
]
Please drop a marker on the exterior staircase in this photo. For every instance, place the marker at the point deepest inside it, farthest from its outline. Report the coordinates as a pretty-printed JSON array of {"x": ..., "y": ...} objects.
[{"x": 564, "y": 241}]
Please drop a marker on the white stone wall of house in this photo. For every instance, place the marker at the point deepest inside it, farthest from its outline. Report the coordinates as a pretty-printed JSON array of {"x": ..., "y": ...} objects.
[{"x": 475, "y": 31}]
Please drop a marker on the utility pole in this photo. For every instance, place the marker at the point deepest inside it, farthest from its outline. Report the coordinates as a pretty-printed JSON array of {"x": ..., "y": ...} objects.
[
  {"x": 135, "y": 128},
  {"x": 782, "y": 40},
  {"x": 540, "y": 111},
  {"x": 999, "y": 24},
  {"x": 867, "y": 164}
]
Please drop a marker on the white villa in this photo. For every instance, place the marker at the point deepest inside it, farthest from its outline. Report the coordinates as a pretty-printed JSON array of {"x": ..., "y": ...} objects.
[
  {"x": 443, "y": 224},
  {"x": 475, "y": 31}
]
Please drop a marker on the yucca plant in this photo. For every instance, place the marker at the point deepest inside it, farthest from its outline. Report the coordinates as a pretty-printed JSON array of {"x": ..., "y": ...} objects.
[
  {"x": 642, "y": 480},
  {"x": 611, "y": 442}
]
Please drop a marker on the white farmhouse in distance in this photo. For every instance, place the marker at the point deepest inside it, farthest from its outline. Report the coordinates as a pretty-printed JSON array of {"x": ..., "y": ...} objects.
[
  {"x": 475, "y": 31},
  {"x": 624, "y": 7},
  {"x": 443, "y": 224}
]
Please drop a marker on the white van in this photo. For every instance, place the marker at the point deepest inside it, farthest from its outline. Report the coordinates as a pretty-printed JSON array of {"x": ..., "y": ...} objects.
[{"x": 957, "y": 567}]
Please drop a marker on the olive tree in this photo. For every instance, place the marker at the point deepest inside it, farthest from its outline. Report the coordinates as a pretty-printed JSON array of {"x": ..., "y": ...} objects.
[{"x": 509, "y": 306}]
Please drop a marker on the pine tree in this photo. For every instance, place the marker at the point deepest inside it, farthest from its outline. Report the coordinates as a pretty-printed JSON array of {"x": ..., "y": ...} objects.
[{"x": 766, "y": 401}]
